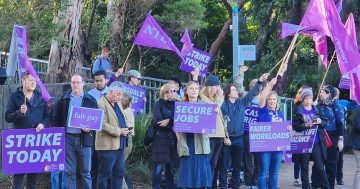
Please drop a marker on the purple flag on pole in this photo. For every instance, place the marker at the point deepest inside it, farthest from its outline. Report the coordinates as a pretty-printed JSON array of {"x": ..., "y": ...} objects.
[
  {"x": 321, "y": 47},
  {"x": 322, "y": 16},
  {"x": 288, "y": 29},
  {"x": 152, "y": 35},
  {"x": 28, "y": 151},
  {"x": 187, "y": 44},
  {"x": 24, "y": 61}
]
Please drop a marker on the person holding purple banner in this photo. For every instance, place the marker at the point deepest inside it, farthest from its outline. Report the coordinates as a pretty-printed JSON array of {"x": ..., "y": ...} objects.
[
  {"x": 334, "y": 125},
  {"x": 194, "y": 151},
  {"x": 26, "y": 109},
  {"x": 111, "y": 141},
  {"x": 305, "y": 117},
  {"x": 269, "y": 162},
  {"x": 134, "y": 79},
  {"x": 164, "y": 144},
  {"x": 233, "y": 109},
  {"x": 78, "y": 141}
]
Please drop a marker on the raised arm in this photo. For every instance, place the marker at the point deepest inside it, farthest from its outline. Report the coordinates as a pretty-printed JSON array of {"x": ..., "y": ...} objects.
[{"x": 265, "y": 92}]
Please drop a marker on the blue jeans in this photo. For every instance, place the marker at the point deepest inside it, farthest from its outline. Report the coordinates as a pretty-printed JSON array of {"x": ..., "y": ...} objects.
[
  {"x": 297, "y": 168},
  {"x": 75, "y": 153},
  {"x": 169, "y": 178},
  {"x": 233, "y": 153},
  {"x": 55, "y": 180},
  {"x": 269, "y": 165},
  {"x": 111, "y": 164}
]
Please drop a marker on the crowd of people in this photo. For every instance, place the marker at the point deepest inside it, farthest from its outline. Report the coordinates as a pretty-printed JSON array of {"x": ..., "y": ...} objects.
[{"x": 202, "y": 160}]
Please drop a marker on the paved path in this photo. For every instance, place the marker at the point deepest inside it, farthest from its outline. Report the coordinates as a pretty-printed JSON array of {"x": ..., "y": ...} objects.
[{"x": 286, "y": 176}]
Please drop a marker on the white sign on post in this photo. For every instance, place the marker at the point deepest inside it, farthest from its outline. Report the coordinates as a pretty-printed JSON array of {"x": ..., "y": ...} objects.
[{"x": 247, "y": 52}]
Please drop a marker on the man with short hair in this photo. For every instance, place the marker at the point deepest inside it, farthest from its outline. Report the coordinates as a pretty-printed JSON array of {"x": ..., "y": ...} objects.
[
  {"x": 26, "y": 109},
  {"x": 78, "y": 141},
  {"x": 100, "y": 85},
  {"x": 111, "y": 141}
]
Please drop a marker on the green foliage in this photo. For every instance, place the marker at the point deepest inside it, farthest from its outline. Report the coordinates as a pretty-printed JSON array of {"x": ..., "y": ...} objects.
[
  {"x": 138, "y": 163},
  {"x": 182, "y": 14},
  {"x": 104, "y": 31}
]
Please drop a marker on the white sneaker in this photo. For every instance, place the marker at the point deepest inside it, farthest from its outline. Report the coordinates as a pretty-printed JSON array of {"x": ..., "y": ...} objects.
[{"x": 297, "y": 183}]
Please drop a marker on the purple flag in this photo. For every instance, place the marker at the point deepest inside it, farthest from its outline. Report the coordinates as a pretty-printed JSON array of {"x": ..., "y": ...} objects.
[
  {"x": 195, "y": 118},
  {"x": 152, "y": 35},
  {"x": 321, "y": 47},
  {"x": 269, "y": 136},
  {"x": 24, "y": 61},
  {"x": 345, "y": 82},
  {"x": 339, "y": 6},
  {"x": 322, "y": 16},
  {"x": 187, "y": 44},
  {"x": 288, "y": 29},
  {"x": 28, "y": 151}
]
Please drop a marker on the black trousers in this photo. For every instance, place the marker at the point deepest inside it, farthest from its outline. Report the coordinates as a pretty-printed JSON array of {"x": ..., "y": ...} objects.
[
  {"x": 319, "y": 177},
  {"x": 331, "y": 162}
]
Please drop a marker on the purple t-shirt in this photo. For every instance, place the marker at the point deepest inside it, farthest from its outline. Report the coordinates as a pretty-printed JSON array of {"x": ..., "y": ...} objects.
[
  {"x": 266, "y": 115},
  {"x": 251, "y": 114},
  {"x": 309, "y": 115}
]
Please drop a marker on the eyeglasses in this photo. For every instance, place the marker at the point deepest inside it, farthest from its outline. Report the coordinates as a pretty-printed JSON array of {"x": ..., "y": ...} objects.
[{"x": 171, "y": 91}]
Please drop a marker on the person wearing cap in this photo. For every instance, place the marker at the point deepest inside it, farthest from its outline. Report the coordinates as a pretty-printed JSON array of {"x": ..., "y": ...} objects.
[
  {"x": 233, "y": 110},
  {"x": 134, "y": 79},
  {"x": 307, "y": 116},
  {"x": 334, "y": 125},
  {"x": 213, "y": 94}
]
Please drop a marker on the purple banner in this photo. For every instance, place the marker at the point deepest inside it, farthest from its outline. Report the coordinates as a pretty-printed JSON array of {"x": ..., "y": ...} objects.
[
  {"x": 251, "y": 115},
  {"x": 269, "y": 136},
  {"x": 196, "y": 59},
  {"x": 287, "y": 158},
  {"x": 303, "y": 142},
  {"x": 195, "y": 118},
  {"x": 138, "y": 94},
  {"x": 28, "y": 151},
  {"x": 24, "y": 61},
  {"x": 81, "y": 117},
  {"x": 345, "y": 82}
]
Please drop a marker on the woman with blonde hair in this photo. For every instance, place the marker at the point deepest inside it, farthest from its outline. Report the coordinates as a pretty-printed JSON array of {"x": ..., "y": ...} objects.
[
  {"x": 193, "y": 150},
  {"x": 164, "y": 144}
]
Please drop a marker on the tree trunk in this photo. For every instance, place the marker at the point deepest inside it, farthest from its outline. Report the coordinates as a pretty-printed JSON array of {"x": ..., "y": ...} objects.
[
  {"x": 68, "y": 52},
  {"x": 215, "y": 46},
  {"x": 117, "y": 16}
]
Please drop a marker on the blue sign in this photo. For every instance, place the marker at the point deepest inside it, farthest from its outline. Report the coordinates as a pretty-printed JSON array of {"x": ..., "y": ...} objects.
[{"x": 247, "y": 52}]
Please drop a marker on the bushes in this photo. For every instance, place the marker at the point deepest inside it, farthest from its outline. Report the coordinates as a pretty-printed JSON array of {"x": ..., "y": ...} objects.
[{"x": 138, "y": 164}]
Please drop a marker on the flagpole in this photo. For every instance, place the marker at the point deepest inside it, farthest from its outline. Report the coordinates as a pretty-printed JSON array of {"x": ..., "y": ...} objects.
[
  {"x": 127, "y": 57},
  {"x": 288, "y": 54},
  {"x": 281, "y": 60},
  {"x": 327, "y": 71}
]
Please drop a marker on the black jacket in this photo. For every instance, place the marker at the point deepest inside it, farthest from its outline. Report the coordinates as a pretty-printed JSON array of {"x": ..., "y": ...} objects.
[
  {"x": 298, "y": 124},
  {"x": 334, "y": 115},
  {"x": 37, "y": 111},
  {"x": 355, "y": 133},
  {"x": 87, "y": 138},
  {"x": 164, "y": 144}
]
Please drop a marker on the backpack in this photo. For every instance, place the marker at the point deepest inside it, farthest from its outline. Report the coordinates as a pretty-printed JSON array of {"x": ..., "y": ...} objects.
[{"x": 92, "y": 67}]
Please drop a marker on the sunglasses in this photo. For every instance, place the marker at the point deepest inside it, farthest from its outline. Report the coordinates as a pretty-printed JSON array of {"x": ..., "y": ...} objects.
[{"x": 171, "y": 91}]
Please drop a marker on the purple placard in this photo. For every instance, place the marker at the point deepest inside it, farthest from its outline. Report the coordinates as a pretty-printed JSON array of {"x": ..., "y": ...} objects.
[
  {"x": 303, "y": 142},
  {"x": 251, "y": 115},
  {"x": 345, "y": 82},
  {"x": 28, "y": 151},
  {"x": 81, "y": 117},
  {"x": 287, "y": 158},
  {"x": 195, "y": 118},
  {"x": 269, "y": 136},
  {"x": 196, "y": 59},
  {"x": 137, "y": 94}
]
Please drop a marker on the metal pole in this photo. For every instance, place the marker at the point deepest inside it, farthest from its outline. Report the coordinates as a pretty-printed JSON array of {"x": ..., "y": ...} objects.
[{"x": 235, "y": 33}]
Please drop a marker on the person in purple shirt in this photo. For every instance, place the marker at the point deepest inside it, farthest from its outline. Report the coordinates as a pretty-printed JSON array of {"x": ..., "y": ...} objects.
[{"x": 307, "y": 116}]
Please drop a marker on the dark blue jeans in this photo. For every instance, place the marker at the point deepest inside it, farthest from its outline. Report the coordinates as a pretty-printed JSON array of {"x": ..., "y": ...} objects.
[
  {"x": 233, "y": 153},
  {"x": 111, "y": 164},
  {"x": 250, "y": 162},
  {"x": 31, "y": 181},
  {"x": 75, "y": 153},
  {"x": 269, "y": 165},
  {"x": 297, "y": 168},
  {"x": 169, "y": 176}
]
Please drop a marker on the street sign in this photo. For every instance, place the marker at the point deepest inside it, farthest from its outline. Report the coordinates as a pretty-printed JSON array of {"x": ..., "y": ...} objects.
[{"x": 247, "y": 52}]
